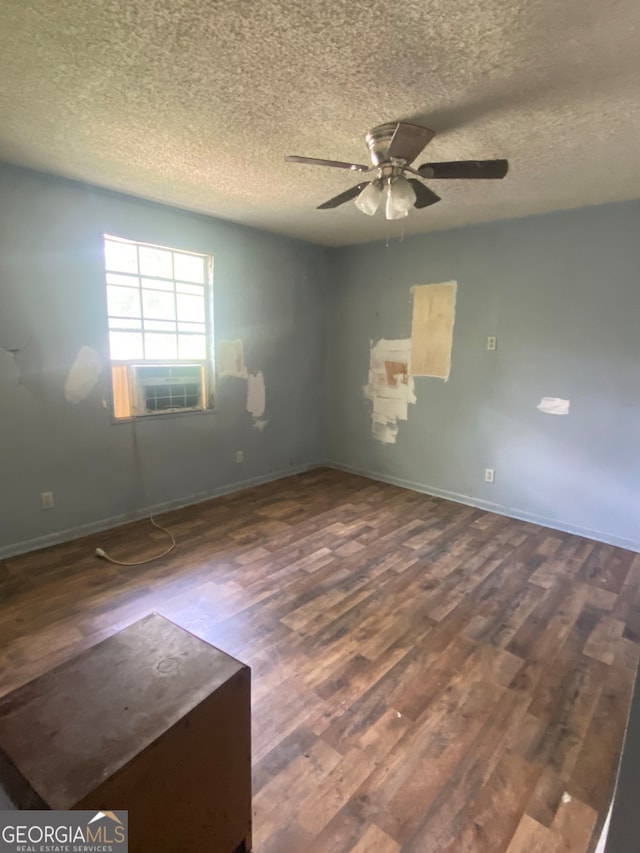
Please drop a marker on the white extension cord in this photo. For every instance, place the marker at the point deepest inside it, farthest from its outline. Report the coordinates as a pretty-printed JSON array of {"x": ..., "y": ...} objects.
[{"x": 100, "y": 552}]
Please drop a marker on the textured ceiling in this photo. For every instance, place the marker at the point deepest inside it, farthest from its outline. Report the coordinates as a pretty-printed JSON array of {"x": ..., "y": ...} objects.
[{"x": 196, "y": 103}]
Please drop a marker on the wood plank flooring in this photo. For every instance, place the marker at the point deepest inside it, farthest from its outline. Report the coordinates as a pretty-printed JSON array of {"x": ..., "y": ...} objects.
[{"x": 427, "y": 677}]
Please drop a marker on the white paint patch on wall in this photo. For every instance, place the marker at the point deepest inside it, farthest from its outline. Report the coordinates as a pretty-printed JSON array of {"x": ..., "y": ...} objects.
[
  {"x": 256, "y": 398},
  {"x": 554, "y": 406},
  {"x": 230, "y": 363},
  {"x": 83, "y": 375},
  {"x": 390, "y": 388},
  {"x": 434, "y": 315},
  {"x": 230, "y": 359}
]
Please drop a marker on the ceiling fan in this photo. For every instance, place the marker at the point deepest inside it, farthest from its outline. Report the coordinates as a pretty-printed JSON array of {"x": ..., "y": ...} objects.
[{"x": 392, "y": 149}]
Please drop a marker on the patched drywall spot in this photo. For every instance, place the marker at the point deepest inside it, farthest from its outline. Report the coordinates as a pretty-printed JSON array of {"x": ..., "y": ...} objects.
[
  {"x": 27, "y": 360},
  {"x": 230, "y": 359},
  {"x": 8, "y": 366},
  {"x": 230, "y": 363},
  {"x": 434, "y": 311},
  {"x": 390, "y": 387},
  {"x": 83, "y": 375},
  {"x": 256, "y": 396},
  {"x": 553, "y": 406}
]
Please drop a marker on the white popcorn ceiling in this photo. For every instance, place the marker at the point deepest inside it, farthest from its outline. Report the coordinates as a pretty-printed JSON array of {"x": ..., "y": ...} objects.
[{"x": 195, "y": 103}]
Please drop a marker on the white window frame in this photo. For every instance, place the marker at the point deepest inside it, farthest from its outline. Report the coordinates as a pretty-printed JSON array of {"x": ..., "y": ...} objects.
[{"x": 132, "y": 367}]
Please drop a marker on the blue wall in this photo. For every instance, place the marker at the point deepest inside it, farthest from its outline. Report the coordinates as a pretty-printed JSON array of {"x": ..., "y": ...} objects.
[
  {"x": 562, "y": 294},
  {"x": 269, "y": 291}
]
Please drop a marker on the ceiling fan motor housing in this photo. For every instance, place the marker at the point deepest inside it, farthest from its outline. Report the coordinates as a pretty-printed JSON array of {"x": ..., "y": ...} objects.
[{"x": 378, "y": 141}]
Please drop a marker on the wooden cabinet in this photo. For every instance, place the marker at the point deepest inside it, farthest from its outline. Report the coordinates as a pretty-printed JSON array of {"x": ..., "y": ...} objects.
[{"x": 152, "y": 720}]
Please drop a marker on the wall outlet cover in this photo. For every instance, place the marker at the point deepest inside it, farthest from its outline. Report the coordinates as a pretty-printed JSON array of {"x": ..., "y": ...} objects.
[{"x": 46, "y": 500}]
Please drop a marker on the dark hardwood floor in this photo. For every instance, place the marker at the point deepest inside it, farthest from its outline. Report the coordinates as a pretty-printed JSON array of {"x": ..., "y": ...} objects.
[{"x": 427, "y": 677}]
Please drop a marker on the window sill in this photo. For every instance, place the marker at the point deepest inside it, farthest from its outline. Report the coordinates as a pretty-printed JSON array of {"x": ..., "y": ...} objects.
[{"x": 164, "y": 415}]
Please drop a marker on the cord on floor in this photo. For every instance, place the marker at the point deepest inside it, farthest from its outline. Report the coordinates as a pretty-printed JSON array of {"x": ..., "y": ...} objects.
[{"x": 100, "y": 552}]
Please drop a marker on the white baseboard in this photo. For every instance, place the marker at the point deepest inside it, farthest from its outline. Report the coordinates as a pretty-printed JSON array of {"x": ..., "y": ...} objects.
[
  {"x": 602, "y": 843},
  {"x": 114, "y": 521},
  {"x": 71, "y": 533},
  {"x": 510, "y": 512}
]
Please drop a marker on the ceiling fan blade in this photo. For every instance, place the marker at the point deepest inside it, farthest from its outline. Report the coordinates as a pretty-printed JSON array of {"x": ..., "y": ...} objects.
[
  {"x": 424, "y": 196},
  {"x": 409, "y": 140},
  {"x": 347, "y": 195},
  {"x": 465, "y": 169},
  {"x": 336, "y": 164}
]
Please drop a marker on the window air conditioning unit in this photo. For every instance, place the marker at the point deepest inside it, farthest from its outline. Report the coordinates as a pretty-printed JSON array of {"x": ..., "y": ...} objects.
[{"x": 161, "y": 388}]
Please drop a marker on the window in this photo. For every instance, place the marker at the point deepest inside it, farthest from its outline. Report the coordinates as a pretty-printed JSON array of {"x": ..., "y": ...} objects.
[{"x": 159, "y": 304}]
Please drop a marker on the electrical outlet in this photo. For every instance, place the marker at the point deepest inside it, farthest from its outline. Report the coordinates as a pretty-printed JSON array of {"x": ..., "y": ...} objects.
[
  {"x": 46, "y": 500},
  {"x": 489, "y": 475},
  {"x": 239, "y": 456},
  {"x": 491, "y": 342}
]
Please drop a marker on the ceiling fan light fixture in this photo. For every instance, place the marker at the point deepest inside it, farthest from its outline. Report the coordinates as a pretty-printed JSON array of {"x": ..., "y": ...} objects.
[
  {"x": 369, "y": 199},
  {"x": 400, "y": 198}
]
